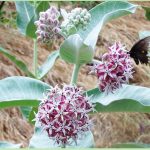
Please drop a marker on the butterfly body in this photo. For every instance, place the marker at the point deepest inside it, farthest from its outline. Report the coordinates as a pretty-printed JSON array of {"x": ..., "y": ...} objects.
[{"x": 139, "y": 51}]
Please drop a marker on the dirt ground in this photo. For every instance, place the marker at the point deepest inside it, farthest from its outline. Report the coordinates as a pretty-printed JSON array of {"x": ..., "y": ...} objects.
[{"x": 110, "y": 128}]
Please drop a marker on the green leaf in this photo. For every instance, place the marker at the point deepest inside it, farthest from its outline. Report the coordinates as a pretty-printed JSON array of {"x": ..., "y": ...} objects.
[
  {"x": 48, "y": 64},
  {"x": 4, "y": 144},
  {"x": 31, "y": 28},
  {"x": 25, "y": 111},
  {"x": 25, "y": 12},
  {"x": 147, "y": 12},
  {"x": 29, "y": 113},
  {"x": 129, "y": 98},
  {"x": 73, "y": 50},
  {"x": 143, "y": 34},
  {"x": 131, "y": 145},
  {"x": 21, "y": 91},
  {"x": 21, "y": 65},
  {"x": 32, "y": 114},
  {"x": 100, "y": 15},
  {"x": 40, "y": 139}
]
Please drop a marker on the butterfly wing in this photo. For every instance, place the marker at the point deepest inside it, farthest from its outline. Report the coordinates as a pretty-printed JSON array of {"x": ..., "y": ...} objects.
[{"x": 139, "y": 51}]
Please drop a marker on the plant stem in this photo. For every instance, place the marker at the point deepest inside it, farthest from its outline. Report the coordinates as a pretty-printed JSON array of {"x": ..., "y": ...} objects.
[
  {"x": 35, "y": 57},
  {"x": 75, "y": 74}
]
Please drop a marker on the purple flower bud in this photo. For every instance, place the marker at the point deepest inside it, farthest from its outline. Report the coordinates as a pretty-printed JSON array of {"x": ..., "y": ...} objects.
[
  {"x": 47, "y": 23},
  {"x": 56, "y": 22},
  {"x": 56, "y": 30},
  {"x": 46, "y": 15},
  {"x": 42, "y": 27},
  {"x": 42, "y": 14}
]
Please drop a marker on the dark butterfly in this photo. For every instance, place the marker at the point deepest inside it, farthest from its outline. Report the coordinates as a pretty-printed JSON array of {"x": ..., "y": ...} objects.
[{"x": 139, "y": 51}]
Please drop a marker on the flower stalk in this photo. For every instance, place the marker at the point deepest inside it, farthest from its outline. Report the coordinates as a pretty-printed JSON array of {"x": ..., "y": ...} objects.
[
  {"x": 35, "y": 57},
  {"x": 75, "y": 74}
]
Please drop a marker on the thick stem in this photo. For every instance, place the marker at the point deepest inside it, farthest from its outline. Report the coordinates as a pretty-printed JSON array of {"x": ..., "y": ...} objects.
[
  {"x": 35, "y": 58},
  {"x": 75, "y": 74}
]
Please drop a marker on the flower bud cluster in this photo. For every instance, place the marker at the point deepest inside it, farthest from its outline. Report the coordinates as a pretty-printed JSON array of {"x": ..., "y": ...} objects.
[
  {"x": 48, "y": 24},
  {"x": 63, "y": 114},
  {"x": 78, "y": 18},
  {"x": 115, "y": 69}
]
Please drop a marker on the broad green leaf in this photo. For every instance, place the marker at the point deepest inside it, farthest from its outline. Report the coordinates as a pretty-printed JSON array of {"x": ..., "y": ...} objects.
[
  {"x": 48, "y": 64},
  {"x": 100, "y": 15},
  {"x": 143, "y": 34},
  {"x": 41, "y": 140},
  {"x": 129, "y": 98},
  {"x": 4, "y": 144},
  {"x": 31, "y": 28},
  {"x": 32, "y": 114},
  {"x": 21, "y": 91},
  {"x": 75, "y": 51},
  {"x": 29, "y": 113},
  {"x": 25, "y": 111},
  {"x": 25, "y": 12},
  {"x": 21, "y": 65},
  {"x": 131, "y": 145},
  {"x": 147, "y": 12},
  {"x": 42, "y": 6}
]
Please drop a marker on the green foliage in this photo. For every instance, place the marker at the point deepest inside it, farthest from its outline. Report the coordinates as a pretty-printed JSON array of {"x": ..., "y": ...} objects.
[
  {"x": 131, "y": 145},
  {"x": 27, "y": 14},
  {"x": 129, "y": 98},
  {"x": 29, "y": 113},
  {"x": 143, "y": 34},
  {"x": 87, "y": 5},
  {"x": 4, "y": 144},
  {"x": 20, "y": 64},
  {"x": 31, "y": 28},
  {"x": 100, "y": 15},
  {"x": 21, "y": 91},
  {"x": 41, "y": 140},
  {"x": 75, "y": 51},
  {"x": 25, "y": 111},
  {"x": 32, "y": 115},
  {"x": 48, "y": 64},
  {"x": 147, "y": 12}
]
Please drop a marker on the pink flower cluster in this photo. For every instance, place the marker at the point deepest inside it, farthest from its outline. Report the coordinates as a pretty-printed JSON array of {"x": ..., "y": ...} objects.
[
  {"x": 115, "y": 68},
  {"x": 63, "y": 114},
  {"x": 48, "y": 24}
]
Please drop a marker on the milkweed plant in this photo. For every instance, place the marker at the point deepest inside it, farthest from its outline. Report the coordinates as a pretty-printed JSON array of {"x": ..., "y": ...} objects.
[{"x": 62, "y": 112}]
